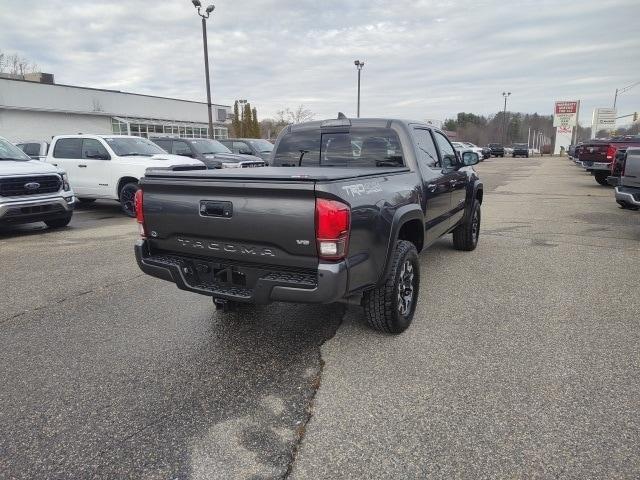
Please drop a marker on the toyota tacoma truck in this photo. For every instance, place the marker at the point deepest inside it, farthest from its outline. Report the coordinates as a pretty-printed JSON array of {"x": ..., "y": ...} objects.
[{"x": 340, "y": 216}]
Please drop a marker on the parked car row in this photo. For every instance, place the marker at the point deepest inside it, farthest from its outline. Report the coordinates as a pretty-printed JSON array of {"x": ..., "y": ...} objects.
[
  {"x": 106, "y": 167},
  {"x": 613, "y": 162},
  {"x": 597, "y": 156}
]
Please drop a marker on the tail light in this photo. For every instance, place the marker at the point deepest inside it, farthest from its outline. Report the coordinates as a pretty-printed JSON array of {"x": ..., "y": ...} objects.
[
  {"x": 333, "y": 222},
  {"x": 139, "y": 204},
  {"x": 611, "y": 152}
]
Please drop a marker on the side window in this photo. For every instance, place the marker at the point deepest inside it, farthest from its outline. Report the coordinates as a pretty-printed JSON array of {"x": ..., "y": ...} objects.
[
  {"x": 241, "y": 147},
  {"x": 427, "y": 153},
  {"x": 68, "y": 148},
  {"x": 181, "y": 148},
  {"x": 31, "y": 149},
  {"x": 92, "y": 149},
  {"x": 447, "y": 152},
  {"x": 164, "y": 144}
]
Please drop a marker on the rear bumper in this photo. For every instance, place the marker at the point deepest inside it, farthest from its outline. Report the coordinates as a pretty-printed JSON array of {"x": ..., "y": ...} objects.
[
  {"x": 262, "y": 284},
  {"x": 628, "y": 195},
  {"x": 590, "y": 166},
  {"x": 18, "y": 211},
  {"x": 613, "y": 180}
]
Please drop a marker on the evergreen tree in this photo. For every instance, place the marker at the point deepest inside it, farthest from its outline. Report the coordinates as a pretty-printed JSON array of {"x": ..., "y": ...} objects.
[
  {"x": 246, "y": 120},
  {"x": 236, "y": 120},
  {"x": 255, "y": 126}
]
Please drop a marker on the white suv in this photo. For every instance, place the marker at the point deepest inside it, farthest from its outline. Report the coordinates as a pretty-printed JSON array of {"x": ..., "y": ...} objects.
[
  {"x": 109, "y": 166},
  {"x": 32, "y": 191}
]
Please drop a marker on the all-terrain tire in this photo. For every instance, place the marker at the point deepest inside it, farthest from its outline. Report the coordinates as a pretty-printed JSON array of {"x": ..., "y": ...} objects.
[
  {"x": 127, "y": 198},
  {"x": 390, "y": 307},
  {"x": 467, "y": 234}
]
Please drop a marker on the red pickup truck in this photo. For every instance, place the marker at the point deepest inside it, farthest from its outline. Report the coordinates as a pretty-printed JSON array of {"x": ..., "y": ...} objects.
[{"x": 597, "y": 156}]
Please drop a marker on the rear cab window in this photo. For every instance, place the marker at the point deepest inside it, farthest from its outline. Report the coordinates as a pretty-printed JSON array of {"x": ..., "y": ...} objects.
[{"x": 356, "y": 147}]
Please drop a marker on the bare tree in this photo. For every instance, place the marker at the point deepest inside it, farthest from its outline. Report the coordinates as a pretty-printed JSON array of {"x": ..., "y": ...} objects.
[
  {"x": 298, "y": 115},
  {"x": 14, "y": 64}
]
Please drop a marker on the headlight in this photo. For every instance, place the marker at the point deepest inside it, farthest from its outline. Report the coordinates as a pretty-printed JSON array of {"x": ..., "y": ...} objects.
[
  {"x": 230, "y": 165},
  {"x": 65, "y": 182}
]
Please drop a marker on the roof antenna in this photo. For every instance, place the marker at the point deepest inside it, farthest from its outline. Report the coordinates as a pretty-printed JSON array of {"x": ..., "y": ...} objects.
[{"x": 341, "y": 116}]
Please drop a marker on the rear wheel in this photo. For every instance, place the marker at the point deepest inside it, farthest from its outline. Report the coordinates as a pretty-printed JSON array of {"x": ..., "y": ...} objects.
[
  {"x": 391, "y": 306},
  {"x": 466, "y": 235},
  {"x": 58, "y": 222},
  {"x": 127, "y": 198},
  {"x": 601, "y": 178}
]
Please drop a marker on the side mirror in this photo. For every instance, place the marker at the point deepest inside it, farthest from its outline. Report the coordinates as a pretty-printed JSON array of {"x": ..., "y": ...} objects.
[
  {"x": 97, "y": 155},
  {"x": 470, "y": 158}
]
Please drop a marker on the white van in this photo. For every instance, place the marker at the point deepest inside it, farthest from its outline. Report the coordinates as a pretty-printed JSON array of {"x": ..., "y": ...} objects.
[{"x": 109, "y": 166}]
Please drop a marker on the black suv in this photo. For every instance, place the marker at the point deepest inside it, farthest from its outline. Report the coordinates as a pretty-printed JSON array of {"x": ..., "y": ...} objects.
[
  {"x": 497, "y": 150},
  {"x": 520, "y": 150},
  {"x": 210, "y": 152},
  {"x": 258, "y": 147}
]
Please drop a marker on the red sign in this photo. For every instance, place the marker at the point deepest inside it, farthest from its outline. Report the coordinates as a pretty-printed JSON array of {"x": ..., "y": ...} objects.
[{"x": 566, "y": 107}]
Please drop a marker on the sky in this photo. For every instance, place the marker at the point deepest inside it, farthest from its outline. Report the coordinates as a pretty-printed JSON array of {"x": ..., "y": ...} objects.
[{"x": 423, "y": 59}]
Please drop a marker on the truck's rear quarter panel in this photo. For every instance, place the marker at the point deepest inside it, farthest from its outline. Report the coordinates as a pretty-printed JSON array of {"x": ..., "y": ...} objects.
[{"x": 371, "y": 219}]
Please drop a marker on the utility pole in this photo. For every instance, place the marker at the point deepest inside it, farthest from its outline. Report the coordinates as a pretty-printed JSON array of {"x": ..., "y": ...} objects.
[
  {"x": 504, "y": 117},
  {"x": 359, "y": 66},
  {"x": 205, "y": 15},
  {"x": 623, "y": 90}
]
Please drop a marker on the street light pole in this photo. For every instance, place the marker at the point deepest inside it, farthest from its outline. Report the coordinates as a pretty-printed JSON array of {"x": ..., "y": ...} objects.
[
  {"x": 359, "y": 66},
  {"x": 504, "y": 117},
  {"x": 205, "y": 15}
]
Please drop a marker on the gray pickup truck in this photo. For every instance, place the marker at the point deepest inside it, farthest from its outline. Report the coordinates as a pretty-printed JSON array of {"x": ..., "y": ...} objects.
[
  {"x": 340, "y": 216},
  {"x": 628, "y": 186}
]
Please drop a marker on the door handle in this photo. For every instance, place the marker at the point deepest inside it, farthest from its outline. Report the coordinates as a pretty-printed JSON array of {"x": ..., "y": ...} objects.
[
  {"x": 82, "y": 166},
  {"x": 54, "y": 164}
]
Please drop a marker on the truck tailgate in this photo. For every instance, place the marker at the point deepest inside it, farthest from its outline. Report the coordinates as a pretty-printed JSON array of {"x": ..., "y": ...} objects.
[{"x": 252, "y": 220}]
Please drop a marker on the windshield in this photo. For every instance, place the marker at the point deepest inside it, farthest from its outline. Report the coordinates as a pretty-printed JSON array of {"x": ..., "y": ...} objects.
[
  {"x": 205, "y": 146},
  {"x": 495, "y": 145},
  {"x": 123, "y": 146},
  {"x": 9, "y": 151},
  {"x": 262, "y": 146},
  {"x": 470, "y": 145},
  {"x": 519, "y": 145},
  {"x": 457, "y": 144},
  {"x": 358, "y": 147}
]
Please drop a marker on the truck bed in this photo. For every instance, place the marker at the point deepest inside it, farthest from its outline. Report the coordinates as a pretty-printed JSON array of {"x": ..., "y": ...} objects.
[{"x": 304, "y": 174}]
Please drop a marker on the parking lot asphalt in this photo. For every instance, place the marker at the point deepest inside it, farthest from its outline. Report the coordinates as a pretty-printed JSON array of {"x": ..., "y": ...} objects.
[{"x": 523, "y": 360}]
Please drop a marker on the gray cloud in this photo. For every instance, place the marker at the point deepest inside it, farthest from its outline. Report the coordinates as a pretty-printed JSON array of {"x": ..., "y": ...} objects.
[{"x": 424, "y": 59}]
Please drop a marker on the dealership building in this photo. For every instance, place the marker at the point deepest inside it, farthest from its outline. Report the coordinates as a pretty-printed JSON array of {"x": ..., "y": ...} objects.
[{"x": 34, "y": 107}]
